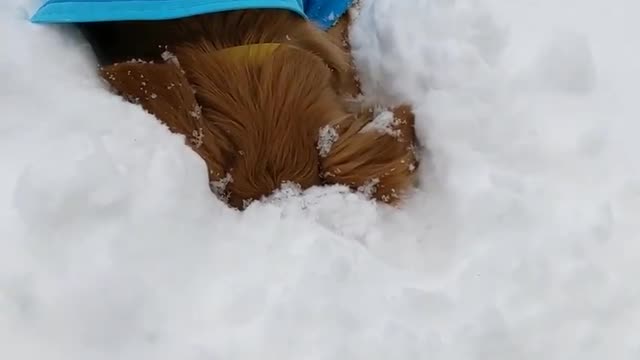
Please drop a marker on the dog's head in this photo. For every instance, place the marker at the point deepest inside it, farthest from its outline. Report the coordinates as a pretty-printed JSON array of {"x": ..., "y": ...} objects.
[{"x": 268, "y": 102}]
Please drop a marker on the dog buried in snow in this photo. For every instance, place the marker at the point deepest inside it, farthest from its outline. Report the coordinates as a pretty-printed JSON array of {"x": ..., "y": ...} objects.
[{"x": 264, "y": 90}]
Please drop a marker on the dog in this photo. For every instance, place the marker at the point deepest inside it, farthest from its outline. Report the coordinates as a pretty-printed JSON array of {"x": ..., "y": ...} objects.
[{"x": 265, "y": 98}]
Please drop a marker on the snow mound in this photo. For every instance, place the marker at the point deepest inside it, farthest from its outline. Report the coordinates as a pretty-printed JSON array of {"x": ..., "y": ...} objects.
[{"x": 519, "y": 244}]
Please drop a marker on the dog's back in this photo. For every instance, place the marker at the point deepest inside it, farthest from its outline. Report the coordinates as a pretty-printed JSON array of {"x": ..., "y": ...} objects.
[{"x": 147, "y": 40}]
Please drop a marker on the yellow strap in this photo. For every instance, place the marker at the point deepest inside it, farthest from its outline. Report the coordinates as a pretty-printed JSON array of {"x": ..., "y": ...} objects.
[{"x": 252, "y": 52}]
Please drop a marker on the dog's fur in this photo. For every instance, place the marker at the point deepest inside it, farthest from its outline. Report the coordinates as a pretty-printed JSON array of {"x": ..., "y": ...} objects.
[{"x": 257, "y": 121}]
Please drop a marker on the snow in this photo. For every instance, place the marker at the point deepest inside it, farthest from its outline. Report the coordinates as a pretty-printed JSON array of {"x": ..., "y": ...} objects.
[
  {"x": 521, "y": 242},
  {"x": 327, "y": 136},
  {"x": 383, "y": 121}
]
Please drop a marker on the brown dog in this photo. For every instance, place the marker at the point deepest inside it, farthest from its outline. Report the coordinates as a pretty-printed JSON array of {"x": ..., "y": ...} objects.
[{"x": 264, "y": 97}]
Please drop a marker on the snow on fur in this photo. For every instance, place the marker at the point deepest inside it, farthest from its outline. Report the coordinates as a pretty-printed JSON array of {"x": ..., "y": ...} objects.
[{"x": 521, "y": 242}]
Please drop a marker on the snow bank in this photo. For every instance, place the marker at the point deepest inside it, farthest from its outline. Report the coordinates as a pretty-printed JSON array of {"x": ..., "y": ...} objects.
[{"x": 520, "y": 243}]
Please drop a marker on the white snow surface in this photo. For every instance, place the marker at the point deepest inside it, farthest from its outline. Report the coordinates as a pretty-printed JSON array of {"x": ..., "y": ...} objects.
[{"x": 522, "y": 241}]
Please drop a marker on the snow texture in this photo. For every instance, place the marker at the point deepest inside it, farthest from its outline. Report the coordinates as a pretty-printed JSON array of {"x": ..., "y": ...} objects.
[
  {"x": 327, "y": 136},
  {"x": 522, "y": 241},
  {"x": 383, "y": 122}
]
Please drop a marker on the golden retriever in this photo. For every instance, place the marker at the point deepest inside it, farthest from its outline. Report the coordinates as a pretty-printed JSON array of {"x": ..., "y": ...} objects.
[{"x": 264, "y": 97}]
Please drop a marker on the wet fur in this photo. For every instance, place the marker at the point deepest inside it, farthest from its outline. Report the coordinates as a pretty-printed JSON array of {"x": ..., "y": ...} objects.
[{"x": 256, "y": 124}]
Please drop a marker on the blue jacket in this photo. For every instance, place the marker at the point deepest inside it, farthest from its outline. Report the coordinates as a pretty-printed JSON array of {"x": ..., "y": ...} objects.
[{"x": 324, "y": 13}]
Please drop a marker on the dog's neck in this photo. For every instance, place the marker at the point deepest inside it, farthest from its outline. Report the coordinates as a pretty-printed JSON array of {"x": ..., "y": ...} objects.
[{"x": 251, "y": 52}]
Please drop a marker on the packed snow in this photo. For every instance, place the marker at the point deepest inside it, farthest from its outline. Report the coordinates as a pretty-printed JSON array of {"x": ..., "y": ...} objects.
[{"x": 520, "y": 243}]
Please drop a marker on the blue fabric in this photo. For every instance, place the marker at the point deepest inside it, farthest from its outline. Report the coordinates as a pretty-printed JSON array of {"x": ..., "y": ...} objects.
[{"x": 324, "y": 13}]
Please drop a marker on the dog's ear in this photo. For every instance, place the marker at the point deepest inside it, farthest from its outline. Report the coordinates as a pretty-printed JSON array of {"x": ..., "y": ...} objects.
[
  {"x": 163, "y": 90},
  {"x": 373, "y": 153}
]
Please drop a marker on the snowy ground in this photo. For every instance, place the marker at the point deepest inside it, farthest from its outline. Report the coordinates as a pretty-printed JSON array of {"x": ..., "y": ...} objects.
[{"x": 522, "y": 242}]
